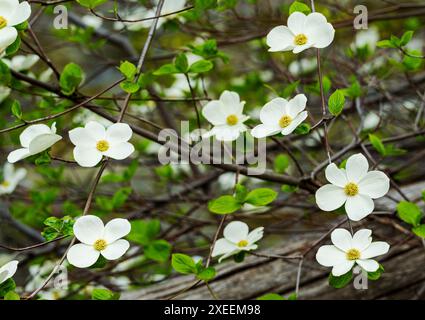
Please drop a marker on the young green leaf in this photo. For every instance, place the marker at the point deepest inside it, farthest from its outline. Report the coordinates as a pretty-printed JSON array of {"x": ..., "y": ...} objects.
[
  {"x": 336, "y": 102},
  {"x": 341, "y": 281},
  {"x": 300, "y": 7},
  {"x": 409, "y": 212},
  {"x": 183, "y": 264},
  {"x": 261, "y": 196},
  {"x": 224, "y": 205}
]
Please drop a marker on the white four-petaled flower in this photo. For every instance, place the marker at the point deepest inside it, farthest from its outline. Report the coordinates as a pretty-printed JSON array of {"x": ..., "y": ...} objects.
[
  {"x": 34, "y": 139},
  {"x": 281, "y": 116},
  {"x": 8, "y": 270},
  {"x": 237, "y": 238},
  {"x": 302, "y": 32},
  {"x": 22, "y": 63},
  {"x": 12, "y": 13},
  {"x": 348, "y": 250},
  {"x": 94, "y": 141},
  {"x": 97, "y": 239},
  {"x": 226, "y": 115},
  {"x": 11, "y": 178},
  {"x": 354, "y": 186}
]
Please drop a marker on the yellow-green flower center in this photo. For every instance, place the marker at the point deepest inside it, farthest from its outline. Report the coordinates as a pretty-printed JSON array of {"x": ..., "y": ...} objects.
[
  {"x": 100, "y": 245},
  {"x": 232, "y": 120},
  {"x": 242, "y": 243},
  {"x": 300, "y": 39},
  {"x": 285, "y": 121},
  {"x": 353, "y": 254},
  {"x": 5, "y": 184},
  {"x": 102, "y": 145},
  {"x": 3, "y": 22},
  {"x": 351, "y": 189}
]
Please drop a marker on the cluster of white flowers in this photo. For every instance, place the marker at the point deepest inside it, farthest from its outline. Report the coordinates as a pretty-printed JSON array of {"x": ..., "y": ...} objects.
[
  {"x": 92, "y": 142},
  {"x": 12, "y": 13}
]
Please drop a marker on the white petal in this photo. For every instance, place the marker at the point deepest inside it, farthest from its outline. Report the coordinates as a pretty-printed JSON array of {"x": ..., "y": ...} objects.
[
  {"x": 116, "y": 229},
  {"x": 81, "y": 137},
  {"x": 335, "y": 175},
  {"x": 8, "y": 36},
  {"x": 255, "y": 235},
  {"x": 223, "y": 246},
  {"x": 296, "y": 105},
  {"x": 8, "y": 171},
  {"x": 342, "y": 239},
  {"x": 119, "y": 151},
  {"x": 214, "y": 113},
  {"x": 272, "y": 111},
  {"x": 330, "y": 197},
  {"x": 329, "y": 256},
  {"x": 295, "y": 123},
  {"x": 8, "y": 270},
  {"x": 319, "y": 30},
  {"x": 362, "y": 239},
  {"x": 19, "y": 175},
  {"x": 82, "y": 255},
  {"x": 118, "y": 132},
  {"x": 96, "y": 130},
  {"x": 264, "y": 130},
  {"x": 236, "y": 231},
  {"x": 17, "y": 155},
  {"x": 7, "y": 8},
  {"x": 87, "y": 157},
  {"x": 296, "y": 22},
  {"x": 374, "y": 184},
  {"x": 22, "y": 13},
  {"x": 375, "y": 249},
  {"x": 227, "y": 133},
  {"x": 231, "y": 102},
  {"x": 229, "y": 254},
  {"x": 358, "y": 207},
  {"x": 298, "y": 49},
  {"x": 356, "y": 167},
  {"x": 368, "y": 265},
  {"x": 116, "y": 250},
  {"x": 31, "y": 132},
  {"x": 43, "y": 142},
  {"x": 88, "y": 229},
  {"x": 280, "y": 39},
  {"x": 342, "y": 268}
]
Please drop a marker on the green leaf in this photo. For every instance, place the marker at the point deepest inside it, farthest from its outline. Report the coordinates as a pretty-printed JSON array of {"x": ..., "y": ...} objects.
[
  {"x": 341, "y": 281},
  {"x": 56, "y": 227},
  {"x": 206, "y": 274},
  {"x": 14, "y": 47},
  {"x": 166, "y": 69},
  {"x": 71, "y": 77},
  {"x": 11, "y": 295},
  {"x": 240, "y": 193},
  {"x": 158, "y": 250},
  {"x": 181, "y": 63},
  {"x": 201, "y": 66},
  {"x": 281, "y": 163},
  {"x": 128, "y": 69},
  {"x": 224, "y": 205},
  {"x": 104, "y": 294},
  {"x": 7, "y": 286},
  {"x": 303, "y": 128},
  {"x": 91, "y": 3},
  {"x": 129, "y": 87},
  {"x": 5, "y": 75},
  {"x": 144, "y": 231},
  {"x": 419, "y": 231},
  {"x": 16, "y": 109},
  {"x": 376, "y": 274},
  {"x": 299, "y": 7},
  {"x": 271, "y": 296},
  {"x": 261, "y": 196},
  {"x": 377, "y": 144},
  {"x": 183, "y": 264},
  {"x": 405, "y": 39},
  {"x": 409, "y": 212},
  {"x": 43, "y": 159},
  {"x": 120, "y": 197},
  {"x": 336, "y": 102},
  {"x": 385, "y": 44}
]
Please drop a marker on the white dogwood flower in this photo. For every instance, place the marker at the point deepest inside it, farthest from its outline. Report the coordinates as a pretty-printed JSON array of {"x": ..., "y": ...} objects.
[
  {"x": 34, "y": 139},
  {"x": 11, "y": 178},
  {"x": 97, "y": 239},
  {"x": 354, "y": 186},
  {"x": 237, "y": 238},
  {"x": 92, "y": 21},
  {"x": 94, "y": 141},
  {"x": 22, "y": 63},
  {"x": 226, "y": 115},
  {"x": 302, "y": 66},
  {"x": 302, "y": 32},
  {"x": 281, "y": 116},
  {"x": 348, "y": 250},
  {"x": 12, "y": 13},
  {"x": 8, "y": 271}
]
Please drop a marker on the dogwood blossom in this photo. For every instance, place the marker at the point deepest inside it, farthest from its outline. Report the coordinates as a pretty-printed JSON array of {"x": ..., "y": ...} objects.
[
  {"x": 353, "y": 186},
  {"x": 34, "y": 139},
  {"x": 97, "y": 239},
  {"x": 94, "y": 141},
  {"x": 11, "y": 178},
  {"x": 21, "y": 63},
  {"x": 12, "y": 13},
  {"x": 348, "y": 250},
  {"x": 8, "y": 271},
  {"x": 302, "y": 32},
  {"x": 226, "y": 115},
  {"x": 4, "y": 93},
  {"x": 237, "y": 238},
  {"x": 281, "y": 116}
]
